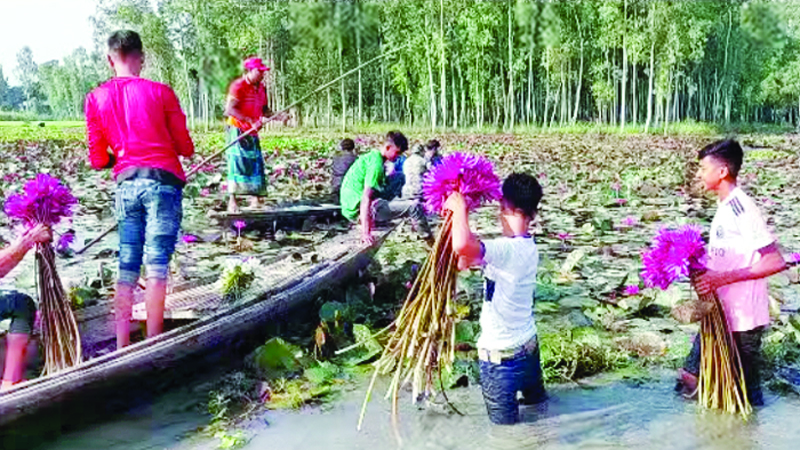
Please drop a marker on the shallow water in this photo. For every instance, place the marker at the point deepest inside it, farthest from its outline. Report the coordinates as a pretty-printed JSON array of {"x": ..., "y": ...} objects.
[{"x": 617, "y": 415}]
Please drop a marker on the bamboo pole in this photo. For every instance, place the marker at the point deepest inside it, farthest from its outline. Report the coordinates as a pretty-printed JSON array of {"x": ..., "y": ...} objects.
[{"x": 213, "y": 156}]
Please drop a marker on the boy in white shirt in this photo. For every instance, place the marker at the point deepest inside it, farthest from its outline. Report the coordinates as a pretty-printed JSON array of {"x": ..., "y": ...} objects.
[
  {"x": 507, "y": 347},
  {"x": 742, "y": 253}
]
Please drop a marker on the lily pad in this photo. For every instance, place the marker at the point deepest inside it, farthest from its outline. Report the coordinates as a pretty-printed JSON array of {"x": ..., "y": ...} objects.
[{"x": 276, "y": 358}]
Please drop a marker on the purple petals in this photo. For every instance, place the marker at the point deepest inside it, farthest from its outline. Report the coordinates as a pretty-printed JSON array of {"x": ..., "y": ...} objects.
[
  {"x": 672, "y": 255},
  {"x": 45, "y": 200},
  {"x": 471, "y": 175}
]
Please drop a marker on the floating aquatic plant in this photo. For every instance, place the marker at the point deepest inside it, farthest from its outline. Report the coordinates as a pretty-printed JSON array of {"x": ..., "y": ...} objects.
[{"x": 237, "y": 277}]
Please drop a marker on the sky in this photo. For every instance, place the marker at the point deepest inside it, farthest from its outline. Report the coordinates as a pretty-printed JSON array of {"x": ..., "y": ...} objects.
[{"x": 51, "y": 28}]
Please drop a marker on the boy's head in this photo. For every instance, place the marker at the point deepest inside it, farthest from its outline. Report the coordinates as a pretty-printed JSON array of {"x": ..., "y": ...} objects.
[
  {"x": 432, "y": 148},
  {"x": 720, "y": 162},
  {"x": 521, "y": 195},
  {"x": 125, "y": 52},
  {"x": 395, "y": 145},
  {"x": 347, "y": 145}
]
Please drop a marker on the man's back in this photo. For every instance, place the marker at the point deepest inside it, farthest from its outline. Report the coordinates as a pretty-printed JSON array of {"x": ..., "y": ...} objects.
[
  {"x": 141, "y": 121},
  {"x": 366, "y": 171},
  {"x": 340, "y": 165}
]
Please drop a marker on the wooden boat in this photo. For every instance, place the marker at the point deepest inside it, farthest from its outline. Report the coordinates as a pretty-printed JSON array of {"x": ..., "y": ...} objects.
[
  {"x": 214, "y": 325},
  {"x": 271, "y": 217}
]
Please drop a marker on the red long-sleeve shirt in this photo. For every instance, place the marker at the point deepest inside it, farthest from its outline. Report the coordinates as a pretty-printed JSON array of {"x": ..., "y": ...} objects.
[{"x": 142, "y": 122}]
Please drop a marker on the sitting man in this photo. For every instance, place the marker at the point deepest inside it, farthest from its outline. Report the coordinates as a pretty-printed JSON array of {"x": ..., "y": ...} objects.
[
  {"x": 360, "y": 193},
  {"x": 341, "y": 164},
  {"x": 17, "y": 306},
  {"x": 432, "y": 155},
  {"x": 414, "y": 168}
]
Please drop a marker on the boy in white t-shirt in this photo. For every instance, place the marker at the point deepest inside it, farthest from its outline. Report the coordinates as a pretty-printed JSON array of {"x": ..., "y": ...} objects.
[
  {"x": 742, "y": 253},
  {"x": 507, "y": 346}
]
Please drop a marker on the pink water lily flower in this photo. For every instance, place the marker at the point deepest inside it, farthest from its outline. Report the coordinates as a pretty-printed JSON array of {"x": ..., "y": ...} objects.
[
  {"x": 65, "y": 240},
  {"x": 673, "y": 254},
  {"x": 631, "y": 289},
  {"x": 630, "y": 221},
  {"x": 45, "y": 200},
  {"x": 239, "y": 224},
  {"x": 471, "y": 175}
]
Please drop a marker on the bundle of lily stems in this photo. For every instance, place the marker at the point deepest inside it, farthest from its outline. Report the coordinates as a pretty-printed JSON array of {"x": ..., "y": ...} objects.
[
  {"x": 46, "y": 201},
  {"x": 422, "y": 343},
  {"x": 677, "y": 254}
]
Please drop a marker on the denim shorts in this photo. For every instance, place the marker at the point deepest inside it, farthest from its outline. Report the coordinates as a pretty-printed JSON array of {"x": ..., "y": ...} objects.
[
  {"x": 500, "y": 383},
  {"x": 149, "y": 214},
  {"x": 20, "y": 308}
]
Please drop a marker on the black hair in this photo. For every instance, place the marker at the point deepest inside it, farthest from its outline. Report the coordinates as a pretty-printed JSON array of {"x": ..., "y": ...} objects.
[
  {"x": 433, "y": 144},
  {"x": 125, "y": 42},
  {"x": 522, "y": 191},
  {"x": 397, "y": 138},
  {"x": 347, "y": 145},
  {"x": 727, "y": 151}
]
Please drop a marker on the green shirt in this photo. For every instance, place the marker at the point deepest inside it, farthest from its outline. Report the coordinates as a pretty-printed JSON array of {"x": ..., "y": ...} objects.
[{"x": 366, "y": 171}]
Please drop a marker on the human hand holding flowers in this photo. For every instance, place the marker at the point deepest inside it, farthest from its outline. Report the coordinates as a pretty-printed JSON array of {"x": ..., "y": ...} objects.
[
  {"x": 454, "y": 202},
  {"x": 39, "y": 234},
  {"x": 709, "y": 281}
]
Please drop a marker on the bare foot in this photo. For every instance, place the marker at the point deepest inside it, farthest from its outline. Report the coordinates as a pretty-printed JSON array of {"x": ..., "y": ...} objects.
[
  {"x": 6, "y": 385},
  {"x": 233, "y": 208}
]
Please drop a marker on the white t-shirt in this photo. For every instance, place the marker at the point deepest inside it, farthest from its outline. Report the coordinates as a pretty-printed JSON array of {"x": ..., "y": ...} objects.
[
  {"x": 507, "y": 312},
  {"x": 738, "y": 232}
]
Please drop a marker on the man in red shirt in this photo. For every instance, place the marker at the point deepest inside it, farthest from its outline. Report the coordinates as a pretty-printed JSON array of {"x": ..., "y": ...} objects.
[
  {"x": 247, "y": 109},
  {"x": 142, "y": 123}
]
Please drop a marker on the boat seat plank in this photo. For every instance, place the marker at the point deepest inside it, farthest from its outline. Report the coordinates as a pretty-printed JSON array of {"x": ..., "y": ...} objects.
[{"x": 204, "y": 300}]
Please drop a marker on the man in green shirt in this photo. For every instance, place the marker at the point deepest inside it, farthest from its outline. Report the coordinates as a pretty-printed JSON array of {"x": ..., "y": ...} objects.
[{"x": 359, "y": 195}]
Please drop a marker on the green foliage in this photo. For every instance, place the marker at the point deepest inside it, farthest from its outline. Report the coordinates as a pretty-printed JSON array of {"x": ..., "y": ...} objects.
[
  {"x": 276, "y": 359},
  {"x": 81, "y": 296},
  {"x": 581, "y": 352},
  {"x": 369, "y": 348},
  {"x": 236, "y": 278},
  {"x": 456, "y": 64}
]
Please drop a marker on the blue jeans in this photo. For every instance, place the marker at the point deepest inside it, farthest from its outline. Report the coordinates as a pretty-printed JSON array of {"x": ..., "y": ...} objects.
[
  {"x": 500, "y": 383},
  {"x": 149, "y": 214}
]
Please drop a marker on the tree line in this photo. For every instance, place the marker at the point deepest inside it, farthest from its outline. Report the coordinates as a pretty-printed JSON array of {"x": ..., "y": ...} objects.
[{"x": 455, "y": 63}]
